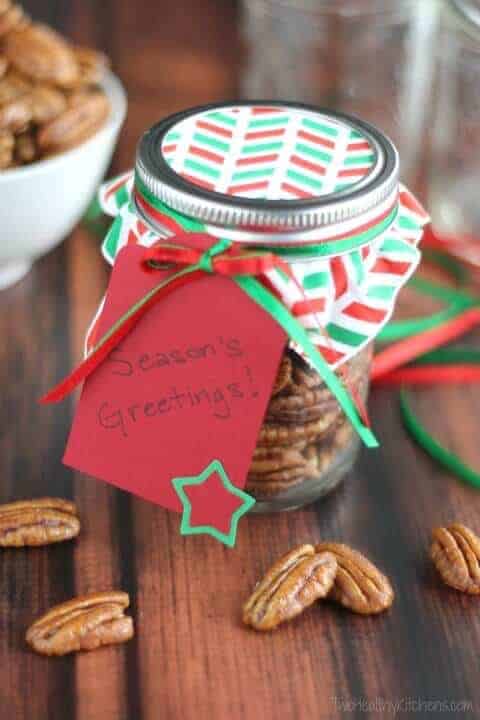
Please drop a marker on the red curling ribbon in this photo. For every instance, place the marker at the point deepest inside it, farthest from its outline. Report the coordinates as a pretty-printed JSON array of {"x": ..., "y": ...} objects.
[
  {"x": 230, "y": 263},
  {"x": 431, "y": 375},
  {"x": 405, "y": 351},
  {"x": 103, "y": 349}
]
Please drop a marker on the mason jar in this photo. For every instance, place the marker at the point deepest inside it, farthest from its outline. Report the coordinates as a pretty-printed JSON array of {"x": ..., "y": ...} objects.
[
  {"x": 366, "y": 57},
  {"x": 319, "y": 190},
  {"x": 455, "y": 146}
]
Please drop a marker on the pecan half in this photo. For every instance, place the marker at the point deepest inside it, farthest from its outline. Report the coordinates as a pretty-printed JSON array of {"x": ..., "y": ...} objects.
[
  {"x": 92, "y": 65},
  {"x": 284, "y": 375},
  {"x": 37, "y": 522},
  {"x": 86, "y": 114},
  {"x": 84, "y": 623},
  {"x": 12, "y": 18},
  {"x": 455, "y": 552},
  {"x": 40, "y": 53},
  {"x": 15, "y": 115},
  {"x": 12, "y": 87},
  {"x": 46, "y": 104},
  {"x": 359, "y": 585},
  {"x": 297, "y": 580}
]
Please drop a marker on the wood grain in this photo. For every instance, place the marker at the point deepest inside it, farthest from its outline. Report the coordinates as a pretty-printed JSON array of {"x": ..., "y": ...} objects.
[{"x": 191, "y": 657}]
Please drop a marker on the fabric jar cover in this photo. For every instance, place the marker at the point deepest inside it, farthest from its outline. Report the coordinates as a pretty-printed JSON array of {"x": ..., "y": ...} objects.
[{"x": 310, "y": 185}]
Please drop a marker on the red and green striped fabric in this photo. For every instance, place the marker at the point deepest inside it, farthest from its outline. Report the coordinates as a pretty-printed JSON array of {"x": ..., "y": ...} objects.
[{"x": 352, "y": 295}]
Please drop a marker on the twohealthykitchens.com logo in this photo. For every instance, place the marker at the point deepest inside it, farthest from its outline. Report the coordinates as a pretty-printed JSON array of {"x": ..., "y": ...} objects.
[{"x": 404, "y": 705}]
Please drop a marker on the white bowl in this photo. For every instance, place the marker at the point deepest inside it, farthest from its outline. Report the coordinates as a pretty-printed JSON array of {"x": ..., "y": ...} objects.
[{"x": 41, "y": 203}]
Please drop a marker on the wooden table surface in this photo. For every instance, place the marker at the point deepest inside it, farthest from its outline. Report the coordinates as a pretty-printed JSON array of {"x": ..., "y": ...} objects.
[{"x": 191, "y": 657}]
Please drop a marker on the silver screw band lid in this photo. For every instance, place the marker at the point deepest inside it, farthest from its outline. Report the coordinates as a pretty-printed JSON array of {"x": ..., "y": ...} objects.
[{"x": 267, "y": 165}]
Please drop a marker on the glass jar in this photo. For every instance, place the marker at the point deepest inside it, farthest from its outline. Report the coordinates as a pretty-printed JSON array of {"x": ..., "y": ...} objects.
[
  {"x": 318, "y": 191},
  {"x": 366, "y": 57},
  {"x": 306, "y": 444},
  {"x": 455, "y": 148}
]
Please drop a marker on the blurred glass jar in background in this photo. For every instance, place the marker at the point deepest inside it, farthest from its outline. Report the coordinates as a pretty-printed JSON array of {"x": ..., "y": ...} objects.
[
  {"x": 366, "y": 57},
  {"x": 454, "y": 178}
]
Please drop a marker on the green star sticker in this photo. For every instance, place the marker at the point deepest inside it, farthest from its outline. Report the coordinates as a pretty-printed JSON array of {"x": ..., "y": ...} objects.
[{"x": 246, "y": 502}]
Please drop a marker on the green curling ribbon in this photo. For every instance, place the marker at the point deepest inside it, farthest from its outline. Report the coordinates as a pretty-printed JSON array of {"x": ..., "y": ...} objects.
[
  {"x": 206, "y": 261},
  {"x": 450, "y": 356},
  {"x": 457, "y": 301},
  {"x": 446, "y": 458},
  {"x": 453, "y": 267}
]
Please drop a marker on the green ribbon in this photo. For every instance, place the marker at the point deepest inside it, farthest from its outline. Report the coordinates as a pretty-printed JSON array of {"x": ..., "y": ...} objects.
[
  {"x": 446, "y": 458},
  {"x": 456, "y": 301},
  {"x": 206, "y": 261},
  {"x": 353, "y": 242}
]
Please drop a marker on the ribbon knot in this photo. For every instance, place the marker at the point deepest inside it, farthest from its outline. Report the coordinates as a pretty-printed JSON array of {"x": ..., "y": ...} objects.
[{"x": 206, "y": 260}]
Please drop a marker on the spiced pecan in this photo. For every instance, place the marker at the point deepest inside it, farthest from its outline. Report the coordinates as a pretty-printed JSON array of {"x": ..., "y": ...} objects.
[
  {"x": 84, "y": 623},
  {"x": 15, "y": 115},
  {"x": 40, "y": 53},
  {"x": 276, "y": 459},
  {"x": 295, "y": 582},
  {"x": 80, "y": 121},
  {"x": 359, "y": 585},
  {"x": 38, "y": 522},
  {"x": 275, "y": 433},
  {"x": 92, "y": 65},
  {"x": 284, "y": 375},
  {"x": 12, "y": 17},
  {"x": 455, "y": 552},
  {"x": 12, "y": 87},
  {"x": 46, "y": 104}
]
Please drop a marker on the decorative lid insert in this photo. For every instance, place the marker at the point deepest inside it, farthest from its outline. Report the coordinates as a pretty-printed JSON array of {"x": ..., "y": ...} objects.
[
  {"x": 268, "y": 153},
  {"x": 267, "y": 164}
]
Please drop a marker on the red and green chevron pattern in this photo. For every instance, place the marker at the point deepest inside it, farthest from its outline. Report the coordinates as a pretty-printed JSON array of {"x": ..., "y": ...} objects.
[
  {"x": 262, "y": 152},
  {"x": 351, "y": 296}
]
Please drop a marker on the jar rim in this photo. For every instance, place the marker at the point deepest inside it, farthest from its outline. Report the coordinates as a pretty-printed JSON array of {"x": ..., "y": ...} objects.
[{"x": 218, "y": 208}]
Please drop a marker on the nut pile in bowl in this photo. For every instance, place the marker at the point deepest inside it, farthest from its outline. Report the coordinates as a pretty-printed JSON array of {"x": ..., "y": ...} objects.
[{"x": 50, "y": 97}]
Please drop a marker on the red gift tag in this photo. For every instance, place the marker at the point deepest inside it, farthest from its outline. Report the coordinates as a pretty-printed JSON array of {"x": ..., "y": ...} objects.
[{"x": 188, "y": 386}]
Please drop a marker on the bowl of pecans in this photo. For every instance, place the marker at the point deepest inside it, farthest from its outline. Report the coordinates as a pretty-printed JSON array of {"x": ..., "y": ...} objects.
[{"x": 61, "y": 110}]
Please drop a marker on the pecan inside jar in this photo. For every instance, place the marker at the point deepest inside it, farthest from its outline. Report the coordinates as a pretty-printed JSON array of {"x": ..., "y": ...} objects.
[
  {"x": 305, "y": 444},
  {"x": 84, "y": 623},
  {"x": 295, "y": 582},
  {"x": 38, "y": 522}
]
